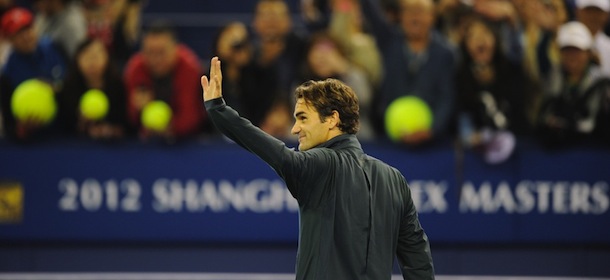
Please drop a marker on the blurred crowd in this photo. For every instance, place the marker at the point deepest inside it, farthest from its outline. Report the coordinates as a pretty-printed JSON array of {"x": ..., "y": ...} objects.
[{"x": 490, "y": 71}]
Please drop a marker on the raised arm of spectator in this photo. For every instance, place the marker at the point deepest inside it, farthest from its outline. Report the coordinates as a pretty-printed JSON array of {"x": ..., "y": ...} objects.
[
  {"x": 360, "y": 47},
  {"x": 382, "y": 29}
]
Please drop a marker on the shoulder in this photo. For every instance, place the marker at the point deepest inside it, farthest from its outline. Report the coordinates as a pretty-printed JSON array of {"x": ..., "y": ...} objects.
[
  {"x": 11, "y": 58},
  {"x": 440, "y": 45},
  {"x": 602, "y": 39},
  {"x": 384, "y": 168},
  {"x": 47, "y": 46},
  {"x": 599, "y": 79},
  {"x": 45, "y": 43},
  {"x": 319, "y": 155},
  {"x": 135, "y": 64}
]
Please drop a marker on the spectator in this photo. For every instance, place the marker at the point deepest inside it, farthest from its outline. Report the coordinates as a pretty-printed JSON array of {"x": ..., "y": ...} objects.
[
  {"x": 504, "y": 18},
  {"x": 242, "y": 86},
  {"x": 316, "y": 14},
  {"x": 346, "y": 26},
  {"x": 417, "y": 61},
  {"x": 278, "y": 49},
  {"x": 269, "y": 77},
  {"x": 31, "y": 57},
  {"x": 234, "y": 50},
  {"x": 575, "y": 91},
  {"x": 117, "y": 23},
  {"x": 63, "y": 21},
  {"x": 169, "y": 71},
  {"x": 594, "y": 15},
  {"x": 92, "y": 68},
  {"x": 326, "y": 59},
  {"x": 491, "y": 91},
  {"x": 452, "y": 17},
  {"x": 540, "y": 21}
]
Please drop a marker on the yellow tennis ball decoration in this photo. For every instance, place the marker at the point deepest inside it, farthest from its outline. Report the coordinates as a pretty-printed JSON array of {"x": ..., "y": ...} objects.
[
  {"x": 94, "y": 104},
  {"x": 406, "y": 115},
  {"x": 156, "y": 116},
  {"x": 34, "y": 99}
]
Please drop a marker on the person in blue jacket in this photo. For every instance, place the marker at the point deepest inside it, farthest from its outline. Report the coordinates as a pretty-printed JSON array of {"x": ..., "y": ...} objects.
[
  {"x": 417, "y": 61},
  {"x": 356, "y": 212},
  {"x": 32, "y": 57}
]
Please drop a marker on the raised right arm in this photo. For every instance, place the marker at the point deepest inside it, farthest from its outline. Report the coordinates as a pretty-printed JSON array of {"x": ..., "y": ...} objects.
[{"x": 294, "y": 167}]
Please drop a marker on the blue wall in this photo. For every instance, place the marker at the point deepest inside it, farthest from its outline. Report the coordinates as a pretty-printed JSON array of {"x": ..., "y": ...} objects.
[{"x": 81, "y": 213}]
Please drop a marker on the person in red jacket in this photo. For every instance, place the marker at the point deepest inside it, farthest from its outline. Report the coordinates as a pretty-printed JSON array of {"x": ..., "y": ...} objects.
[{"x": 168, "y": 71}]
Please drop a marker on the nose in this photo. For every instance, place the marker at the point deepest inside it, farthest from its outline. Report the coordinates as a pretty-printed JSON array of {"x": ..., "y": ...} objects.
[{"x": 295, "y": 129}]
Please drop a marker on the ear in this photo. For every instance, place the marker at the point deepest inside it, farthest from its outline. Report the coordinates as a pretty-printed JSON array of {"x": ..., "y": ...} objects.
[{"x": 333, "y": 120}]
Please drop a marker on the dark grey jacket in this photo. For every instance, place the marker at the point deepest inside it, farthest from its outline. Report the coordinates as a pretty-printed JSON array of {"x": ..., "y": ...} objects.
[{"x": 356, "y": 212}]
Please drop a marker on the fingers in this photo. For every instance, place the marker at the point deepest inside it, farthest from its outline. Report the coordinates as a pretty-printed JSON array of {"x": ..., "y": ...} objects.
[
  {"x": 212, "y": 84},
  {"x": 205, "y": 84},
  {"x": 218, "y": 70},
  {"x": 213, "y": 68}
]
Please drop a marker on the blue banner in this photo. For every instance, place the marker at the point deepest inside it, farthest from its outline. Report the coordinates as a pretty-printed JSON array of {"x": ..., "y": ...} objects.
[{"x": 217, "y": 192}]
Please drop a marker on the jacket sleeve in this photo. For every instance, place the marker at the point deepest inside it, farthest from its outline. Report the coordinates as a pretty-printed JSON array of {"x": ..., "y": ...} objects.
[
  {"x": 294, "y": 167},
  {"x": 413, "y": 250}
]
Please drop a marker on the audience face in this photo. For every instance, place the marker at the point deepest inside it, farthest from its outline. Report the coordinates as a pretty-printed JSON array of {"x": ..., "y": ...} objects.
[
  {"x": 25, "y": 40},
  {"x": 272, "y": 20},
  {"x": 480, "y": 42},
  {"x": 322, "y": 57},
  {"x": 574, "y": 60},
  {"x": 160, "y": 53},
  {"x": 417, "y": 18},
  {"x": 92, "y": 60},
  {"x": 233, "y": 45},
  {"x": 594, "y": 18}
]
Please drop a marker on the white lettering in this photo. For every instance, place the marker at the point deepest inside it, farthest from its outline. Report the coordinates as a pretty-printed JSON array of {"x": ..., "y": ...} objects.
[
  {"x": 525, "y": 199},
  {"x": 93, "y": 195},
  {"x": 544, "y": 189},
  {"x": 555, "y": 197},
  {"x": 259, "y": 196},
  {"x": 504, "y": 198},
  {"x": 429, "y": 196},
  {"x": 579, "y": 198},
  {"x": 560, "y": 198},
  {"x": 599, "y": 194}
]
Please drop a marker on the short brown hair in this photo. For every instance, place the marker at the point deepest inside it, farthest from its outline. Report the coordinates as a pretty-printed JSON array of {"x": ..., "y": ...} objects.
[{"x": 332, "y": 95}]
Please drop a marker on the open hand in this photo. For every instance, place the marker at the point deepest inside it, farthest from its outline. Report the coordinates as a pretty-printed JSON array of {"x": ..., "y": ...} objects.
[{"x": 212, "y": 88}]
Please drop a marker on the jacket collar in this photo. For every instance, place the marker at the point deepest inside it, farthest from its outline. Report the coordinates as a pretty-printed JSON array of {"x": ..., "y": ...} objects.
[{"x": 343, "y": 141}]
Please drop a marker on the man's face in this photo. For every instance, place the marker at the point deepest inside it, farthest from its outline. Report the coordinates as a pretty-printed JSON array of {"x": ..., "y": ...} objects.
[
  {"x": 272, "y": 20},
  {"x": 574, "y": 60},
  {"x": 416, "y": 18},
  {"x": 25, "y": 41},
  {"x": 160, "y": 53},
  {"x": 308, "y": 126}
]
